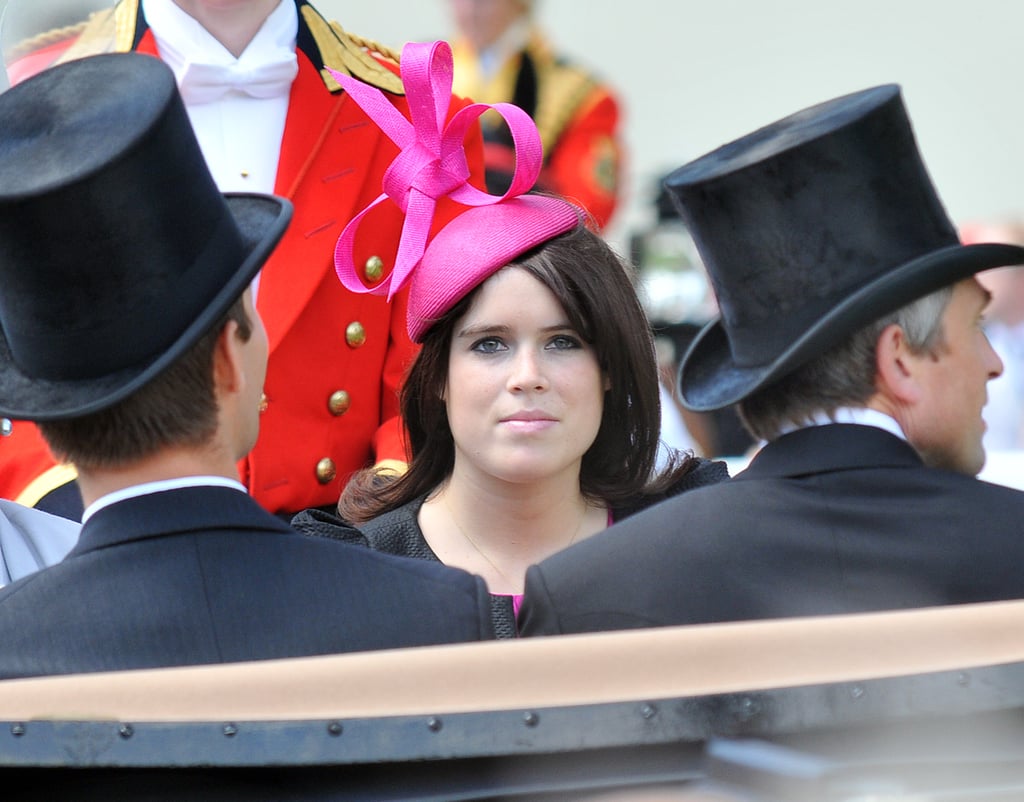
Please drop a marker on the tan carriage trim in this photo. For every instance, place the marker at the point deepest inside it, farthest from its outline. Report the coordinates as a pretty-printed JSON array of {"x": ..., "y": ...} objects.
[{"x": 544, "y": 672}]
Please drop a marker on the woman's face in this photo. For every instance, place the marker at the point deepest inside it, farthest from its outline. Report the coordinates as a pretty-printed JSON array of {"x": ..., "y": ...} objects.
[
  {"x": 482, "y": 22},
  {"x": 525, "y": 393}
]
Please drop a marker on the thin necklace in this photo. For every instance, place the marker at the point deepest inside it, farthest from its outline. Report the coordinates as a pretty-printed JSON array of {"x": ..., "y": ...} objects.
[{"x": 483, "y": 554}]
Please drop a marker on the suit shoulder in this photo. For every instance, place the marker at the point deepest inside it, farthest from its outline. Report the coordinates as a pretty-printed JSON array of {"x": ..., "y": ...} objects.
[
  {"x": 431, "y": 572},
  {"x": 1004, "y": 494},
  {"x": 423, "y": 584}
]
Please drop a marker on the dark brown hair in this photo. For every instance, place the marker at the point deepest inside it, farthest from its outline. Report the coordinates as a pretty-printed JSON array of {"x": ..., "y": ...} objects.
[
  {"x": 593, "y": 286},
  {"x": 177, "y": 407}
]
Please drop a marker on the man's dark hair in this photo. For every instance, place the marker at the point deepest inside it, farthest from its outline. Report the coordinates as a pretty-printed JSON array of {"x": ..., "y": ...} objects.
[{"x": 177, "y": 407}]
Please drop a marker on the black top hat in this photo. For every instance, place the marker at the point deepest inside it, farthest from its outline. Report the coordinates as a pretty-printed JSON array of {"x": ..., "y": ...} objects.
[
  {"x": 810, "y": 229},
  {"x": 117, "y": 251}
]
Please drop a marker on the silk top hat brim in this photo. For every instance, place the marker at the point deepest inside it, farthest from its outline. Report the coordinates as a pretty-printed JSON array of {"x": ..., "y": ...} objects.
[
  {"x": 117, "y": 251},
  {"x": 810, "y": 229}
]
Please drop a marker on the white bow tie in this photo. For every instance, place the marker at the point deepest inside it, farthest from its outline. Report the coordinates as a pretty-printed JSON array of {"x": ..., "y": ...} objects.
[{"x": 206, "y": 83}]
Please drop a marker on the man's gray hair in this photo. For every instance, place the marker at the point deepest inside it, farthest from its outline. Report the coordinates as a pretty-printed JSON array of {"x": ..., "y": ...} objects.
[{"x": 843, "y": 376}]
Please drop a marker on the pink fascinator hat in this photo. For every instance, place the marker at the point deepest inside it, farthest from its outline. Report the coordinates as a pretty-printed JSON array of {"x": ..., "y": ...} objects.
[{"x": 486, "y": 232}]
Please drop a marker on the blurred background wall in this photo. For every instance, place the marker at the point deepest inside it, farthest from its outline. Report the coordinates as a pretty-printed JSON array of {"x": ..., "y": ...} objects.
[{"x": 693, "y": 75}]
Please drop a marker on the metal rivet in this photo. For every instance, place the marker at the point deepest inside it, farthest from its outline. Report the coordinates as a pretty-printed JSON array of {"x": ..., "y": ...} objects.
[
  {"x": 963, "y": 679},
  {"x": 230, "y": 730},
  {"x": 374, "y": 268},
  {"x": 334, "y": 728},
  {"x": 434, "y": 724},
  {"x": 6, "y": 427},
  {"x": 531, "y": 719},
  {"x": 648, "y": 711},
  {"x": 748, "y": 709},
  {"x": 17, "y": 730},
  {"x": 857, "y": 691},
  {"x": 355, "y": 334},
  {"x": 125, "y": 731}
]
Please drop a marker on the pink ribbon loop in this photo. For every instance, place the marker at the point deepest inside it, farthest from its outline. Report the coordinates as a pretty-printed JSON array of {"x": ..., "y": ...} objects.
[{"x": 431, "y": 164}]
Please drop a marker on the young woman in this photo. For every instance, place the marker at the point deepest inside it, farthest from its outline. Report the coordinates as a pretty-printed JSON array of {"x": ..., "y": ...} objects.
[{"x": 532, "y": 409}]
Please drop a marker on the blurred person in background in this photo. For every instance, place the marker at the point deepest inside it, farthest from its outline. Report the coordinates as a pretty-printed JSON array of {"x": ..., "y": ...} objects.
[
  {"x": 501, "y": 55},
  {"x": 676, "y": 293}
]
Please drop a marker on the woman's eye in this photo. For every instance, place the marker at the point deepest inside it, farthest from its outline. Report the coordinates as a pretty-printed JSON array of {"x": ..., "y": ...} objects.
[
  {"x": 488, "y": 345},
  {"x": 564, "y": 341}
]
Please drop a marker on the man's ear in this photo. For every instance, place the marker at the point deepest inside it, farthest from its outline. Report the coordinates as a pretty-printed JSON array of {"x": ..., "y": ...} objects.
[
  {"x": 228, "y": 369},
  {"x": 897, "y": 367}
]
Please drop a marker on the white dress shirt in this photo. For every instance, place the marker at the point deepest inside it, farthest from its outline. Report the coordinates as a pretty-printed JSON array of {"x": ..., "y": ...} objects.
[
  {"x": 240, "y": 134},
  {"x": 859, "y": 415}
]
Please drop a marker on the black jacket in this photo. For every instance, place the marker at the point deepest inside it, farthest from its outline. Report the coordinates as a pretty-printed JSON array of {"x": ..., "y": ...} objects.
[
  {"x": 830, "y": 519},
  {"x": 204, "y": 575}
]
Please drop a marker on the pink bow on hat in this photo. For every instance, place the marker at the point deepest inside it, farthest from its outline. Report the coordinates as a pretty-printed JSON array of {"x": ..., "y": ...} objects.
[{"x": 432, "y": 163}]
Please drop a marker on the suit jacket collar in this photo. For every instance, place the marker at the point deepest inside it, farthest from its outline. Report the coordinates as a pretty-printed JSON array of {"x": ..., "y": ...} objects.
[
  {"x": 174, "y": 512},
  {"x": 832, "y": 447}
]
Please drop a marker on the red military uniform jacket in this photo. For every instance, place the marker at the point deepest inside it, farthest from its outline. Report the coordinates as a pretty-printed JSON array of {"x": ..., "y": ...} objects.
[
  {"x": 577, "y": 117},
  {"x": 337, "y": 359}
]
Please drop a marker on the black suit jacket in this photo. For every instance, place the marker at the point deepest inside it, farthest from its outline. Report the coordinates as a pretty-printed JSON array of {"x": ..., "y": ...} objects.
[
  {"x": 830, "y": 519},
  {"x": 204, "y": 575}
]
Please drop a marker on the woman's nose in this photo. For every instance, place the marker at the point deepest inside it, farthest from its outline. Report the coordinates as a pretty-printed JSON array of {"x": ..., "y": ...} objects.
[{"x": 527, "y": 372}]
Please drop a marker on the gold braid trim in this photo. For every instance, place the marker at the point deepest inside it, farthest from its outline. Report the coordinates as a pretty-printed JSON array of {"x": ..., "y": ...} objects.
[
  {"x": 350, "y": 54},
  {"x": 99, "y": 36},
  {"x": 126, "y": 19},
  {"x": 106, "y": 31},
  {"x": 45, "y": 39},
  {"x": 48, "y": 481},
  {"x": 371, "y": 45},
  {"x": 393, "y": 467}
]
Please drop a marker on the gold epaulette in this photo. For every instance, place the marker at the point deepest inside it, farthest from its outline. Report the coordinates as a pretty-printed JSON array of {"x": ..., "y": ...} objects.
[
  {"x": 345, "y": 52},
  {"x": 44, "y": 39},
  {"x": 110, "y": 30}
]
